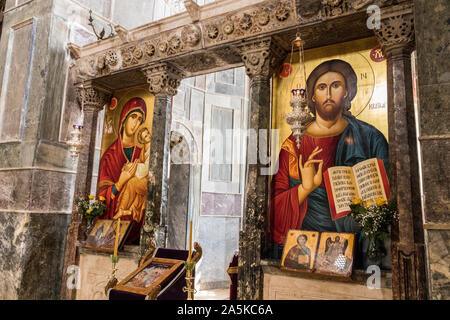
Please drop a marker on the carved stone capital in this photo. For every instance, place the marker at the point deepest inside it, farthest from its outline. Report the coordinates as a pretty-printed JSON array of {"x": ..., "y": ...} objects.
[
  {"x": 92, "y": 97},
  {"x": 261, "y": 57},
  {"x": 396, "y": 33},
  {"x": 163, "y": 78}
]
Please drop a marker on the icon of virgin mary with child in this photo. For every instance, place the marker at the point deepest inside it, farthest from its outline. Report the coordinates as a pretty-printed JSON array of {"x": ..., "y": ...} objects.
[{"x": 123, "y": 174}]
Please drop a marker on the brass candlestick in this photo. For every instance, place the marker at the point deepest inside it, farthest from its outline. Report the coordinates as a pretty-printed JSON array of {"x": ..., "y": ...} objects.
[
  {"x": 190, "y": 271},
  {"x": 190, "y": 280}
]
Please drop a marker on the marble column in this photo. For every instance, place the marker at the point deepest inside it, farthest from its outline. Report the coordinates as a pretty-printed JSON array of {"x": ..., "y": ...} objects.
[
  {"x": 396, "y": 37},
  {"x": 260, "y": 58},
  {"x": 163, "y": 79},
  {"x": 92, "y": 99}
]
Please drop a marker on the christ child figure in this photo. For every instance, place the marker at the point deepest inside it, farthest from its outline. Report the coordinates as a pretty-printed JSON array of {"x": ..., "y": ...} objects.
[{"x": 132, "y": 198}]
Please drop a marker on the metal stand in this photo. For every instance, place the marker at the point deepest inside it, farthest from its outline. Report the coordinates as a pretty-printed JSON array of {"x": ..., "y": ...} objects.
[
  {"x": 190, "y": 271},
  {"x": 190, "y": 283}
]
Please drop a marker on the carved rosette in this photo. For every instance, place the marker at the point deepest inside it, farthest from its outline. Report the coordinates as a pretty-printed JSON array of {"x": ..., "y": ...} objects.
[
  {"x": 162, "y": 47},
  {"x": 174, "y": 44},
  {"x": 312, "y": 10},
  {"x": 111, "y": 58},
  {"x": 149, "y": 49},
  {"x": 397, "y": 30},
  {"x": 132, "y": 55},
  {"x": 108, "y": 62},
  {"x": 333, "y": 8},
  {"x": 228, "y": 27},
  {"x": 181, "y": 40},
  {"x": 190, "y": 35},
  {"x": 261, "y": 57},
  {"x": 91, "y": 97},
  {"x": 163, "y": 78},
  {"x": 272, "y": 15},
  {"x": 282, "y": 11},
  {"x": 212, "y": 31},
  {"x": 246, "y": 22},
  {"x": 262, "y": 17},
  {"x": 308, "y": 10}
]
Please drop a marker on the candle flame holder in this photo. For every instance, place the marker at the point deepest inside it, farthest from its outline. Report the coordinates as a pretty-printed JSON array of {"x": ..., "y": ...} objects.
[
  {"x": 300, "y": 117},
  {"x": 75, "y": 144}
]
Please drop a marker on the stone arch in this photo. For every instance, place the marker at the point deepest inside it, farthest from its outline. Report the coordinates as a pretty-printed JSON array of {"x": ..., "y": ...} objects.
[{"x": 190, "y": 140}]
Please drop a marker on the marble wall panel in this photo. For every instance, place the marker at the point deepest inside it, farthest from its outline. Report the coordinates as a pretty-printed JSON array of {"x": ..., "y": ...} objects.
[
  {"x": 32, "y": 68},
  {"x": 32, "y": 240},
  {"x": 15, "y": 189},
  {"x": 95, "y": 270},
  {"x": 200, "y": 82},
  {"x": 50, "y": 154},
  {"x": 433, "y": 65},
  {"x": 282, "y": 285},
  {"x": 433, "y": 47},
  {"x": 189, "y": 81},
  {"x": 56, "y": 74},
  {"x": 435, "y": 108},
  {"x": 436, "y": 180},
  {"x": 19, "y": 2},
  {"x": 95, "y": 172},
  {"x": 30, "y": 249},
  {"x": 181, "y": 101},
  {"x": 10, "y": 154},
  {"x": 80, "y": 36},
  {"x": 439, "y": 262},
  {"x": 219, "y": 239},
  {"x": 10, "y": 4},
  {"x": 12, "y": 240},
  {"x": 225, "y": 76},
  {"x": 71, "y": 112},
  {"x": 43, "y": 263},
  {"x": 221, "y": 204},
  {"x": 133, "y": 13},
  {"x": 102, "y": 7},
  {"x": 40, "y": 195},
  {"x": 16, "y": 80},
  {"x": 62, "y": 186},
  {"x": 17, "y": 154},
  {"x": 51, "y": 191},
  {"x": 177, "y": 206},
  {"x": 197, "y": 105},
  {"x": 235, "y": 87}
]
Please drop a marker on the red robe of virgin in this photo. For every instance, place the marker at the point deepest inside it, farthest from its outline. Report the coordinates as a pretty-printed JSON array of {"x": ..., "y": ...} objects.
[{"x": 111, "y": 165}]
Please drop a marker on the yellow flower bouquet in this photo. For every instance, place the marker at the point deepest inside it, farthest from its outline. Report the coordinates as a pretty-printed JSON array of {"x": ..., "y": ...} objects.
[
  {"x": 375, "y": 217},
  {"x": 90, "y": 208}
]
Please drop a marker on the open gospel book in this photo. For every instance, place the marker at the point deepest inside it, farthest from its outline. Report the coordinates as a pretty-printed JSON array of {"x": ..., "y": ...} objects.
[{"x": 366, "y": 180}]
